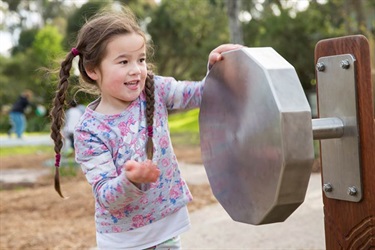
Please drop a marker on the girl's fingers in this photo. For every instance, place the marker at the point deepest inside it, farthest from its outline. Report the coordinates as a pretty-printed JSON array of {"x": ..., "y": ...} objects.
[
  {"x": 142, "y": 172},
  {"x": 215, "y": 54}
]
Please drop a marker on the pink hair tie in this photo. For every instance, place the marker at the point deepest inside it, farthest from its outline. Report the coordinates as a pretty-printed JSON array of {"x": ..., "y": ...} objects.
[
  {"x": 150, "y": 131},
  {"x": 57, "y": 160},
  {"x": 75, "y": 52}
]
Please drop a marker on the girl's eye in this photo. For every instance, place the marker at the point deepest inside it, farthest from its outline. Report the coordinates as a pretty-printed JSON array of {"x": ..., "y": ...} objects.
[
  {"x": 124, "y": 62},
  {"x": 142, "y": 60}
]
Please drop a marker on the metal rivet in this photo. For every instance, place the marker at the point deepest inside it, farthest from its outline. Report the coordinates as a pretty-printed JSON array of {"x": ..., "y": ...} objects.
[
  {"x": 352, "y": 191},
  {"x": 345, "y": 64},
  {"x": 327, "y": 187},
  {"x": 320, "y": 66}
]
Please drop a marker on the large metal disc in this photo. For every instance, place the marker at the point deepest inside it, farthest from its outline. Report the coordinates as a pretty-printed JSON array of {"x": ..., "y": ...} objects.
[{"x": 256, "y": 136}]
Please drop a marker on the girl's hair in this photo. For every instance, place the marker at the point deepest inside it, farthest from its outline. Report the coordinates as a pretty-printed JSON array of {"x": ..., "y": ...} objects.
[{"x": 91, "y": 45}]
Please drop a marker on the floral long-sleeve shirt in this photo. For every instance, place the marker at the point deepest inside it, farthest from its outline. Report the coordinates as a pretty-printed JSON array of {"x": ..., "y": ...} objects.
[{"x": 103, "y": 144}]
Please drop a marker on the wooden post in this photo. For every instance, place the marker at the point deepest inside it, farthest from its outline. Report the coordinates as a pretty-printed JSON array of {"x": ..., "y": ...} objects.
[{"x": 351, "y": 225}]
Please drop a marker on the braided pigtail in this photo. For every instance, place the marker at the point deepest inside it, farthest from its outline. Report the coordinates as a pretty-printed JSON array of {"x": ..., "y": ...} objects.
[
  {"x": 58, "y": 115},
  {"x": 150, "y": 107}
]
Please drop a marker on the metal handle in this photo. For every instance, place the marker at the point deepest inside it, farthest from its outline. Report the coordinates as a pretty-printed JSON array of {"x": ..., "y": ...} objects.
[{"x": 327, "y": 128}]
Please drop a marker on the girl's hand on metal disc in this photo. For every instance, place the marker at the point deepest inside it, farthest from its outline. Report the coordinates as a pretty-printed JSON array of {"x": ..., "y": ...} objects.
[{"x": 216, "y": 54}]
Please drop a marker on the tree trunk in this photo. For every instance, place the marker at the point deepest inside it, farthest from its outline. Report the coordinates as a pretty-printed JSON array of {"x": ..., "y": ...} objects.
[{"x": 235, "y": 29}]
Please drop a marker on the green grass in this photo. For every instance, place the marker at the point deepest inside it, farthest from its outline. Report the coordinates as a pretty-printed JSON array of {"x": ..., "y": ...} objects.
[
  {"x": 69, "y": 169},
  {"x": 184, "y": 127},
  {"x": 25, "y": 134},
  {"x": 186, "y": 122},
  {"x": 25, "y": 150}
]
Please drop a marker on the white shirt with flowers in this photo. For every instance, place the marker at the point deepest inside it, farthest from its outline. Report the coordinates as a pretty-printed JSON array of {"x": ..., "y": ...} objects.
[{"x": 103, "y": 144}]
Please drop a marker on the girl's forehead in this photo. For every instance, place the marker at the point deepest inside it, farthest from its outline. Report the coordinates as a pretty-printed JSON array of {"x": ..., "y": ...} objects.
[{"x": 127, "y": 43}]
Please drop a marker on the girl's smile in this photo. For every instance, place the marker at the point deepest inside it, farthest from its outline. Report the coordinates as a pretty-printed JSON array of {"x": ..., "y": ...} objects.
[{"x": 133, "y": 84}]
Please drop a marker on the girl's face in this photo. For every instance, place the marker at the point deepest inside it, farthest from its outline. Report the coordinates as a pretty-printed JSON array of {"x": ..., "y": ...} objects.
[{"x": 122, "y": 73}]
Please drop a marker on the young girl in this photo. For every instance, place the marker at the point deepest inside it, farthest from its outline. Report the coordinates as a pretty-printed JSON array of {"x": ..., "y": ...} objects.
[{"x": 122, "y": 141}]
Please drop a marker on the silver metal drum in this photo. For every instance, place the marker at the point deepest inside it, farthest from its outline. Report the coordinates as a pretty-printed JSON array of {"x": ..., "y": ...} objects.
[{"x": 256, "y": 136}]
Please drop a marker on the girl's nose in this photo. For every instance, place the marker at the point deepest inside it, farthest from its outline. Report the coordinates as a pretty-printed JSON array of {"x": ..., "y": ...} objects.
[{"x": 135, "y": 69}]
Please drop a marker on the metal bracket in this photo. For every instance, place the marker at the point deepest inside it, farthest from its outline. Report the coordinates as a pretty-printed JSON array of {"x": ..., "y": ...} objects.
[{"x": 340, "y": 156}]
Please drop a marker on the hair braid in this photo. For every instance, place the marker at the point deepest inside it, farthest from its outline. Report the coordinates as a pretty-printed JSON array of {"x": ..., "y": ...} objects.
[
  {"x": 91, "y": 47},
  {"x": 58, "y": 115},
  {"x": 150, "y": 107}
]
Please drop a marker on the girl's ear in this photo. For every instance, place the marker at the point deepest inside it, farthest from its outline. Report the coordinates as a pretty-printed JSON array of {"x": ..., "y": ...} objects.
[{"x": 92, "y": 73}]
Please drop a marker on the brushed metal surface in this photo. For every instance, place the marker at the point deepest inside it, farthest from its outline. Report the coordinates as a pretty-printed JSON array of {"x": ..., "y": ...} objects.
[
  {"x": 340, "y": 157},
  {"x": 256, "y": 136}
]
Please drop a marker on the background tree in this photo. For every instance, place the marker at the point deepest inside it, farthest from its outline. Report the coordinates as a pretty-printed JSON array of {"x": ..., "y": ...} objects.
[
  {"x": 294, "y": 34},
  {"x": 184, "y": 32},
  {"x": 78, "y": 18},
  {"x": 235, "y": 29},
  {"x": 50, "y": 38}
]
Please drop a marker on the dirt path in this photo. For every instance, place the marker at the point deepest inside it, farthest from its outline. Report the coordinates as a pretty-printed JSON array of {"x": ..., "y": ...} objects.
[{"x": 34, "y": 217}]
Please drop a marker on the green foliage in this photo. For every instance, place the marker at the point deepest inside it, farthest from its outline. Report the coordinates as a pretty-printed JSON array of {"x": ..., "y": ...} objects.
[
  {"x": 15, "y": 76},
  {"x": 4, "y": 123},
  {"x": 25, "y": 41},
  {"x": 184, "y": 32},
  {"x": 141, "y": 8},
  {"x": 294, "y": 37},
  {"x": 23, "y": 71},
  {"x": 4, "y": 79},
  {"x": 38, "y": 124},
  {"x": 47, "y": 45},
  {"x": 78, "y": 18}
]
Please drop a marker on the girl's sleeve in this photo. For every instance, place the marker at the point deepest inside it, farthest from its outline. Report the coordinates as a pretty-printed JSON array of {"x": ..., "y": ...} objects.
[
  {"x": 179, "y": 94},
  {"x": 112, "y": 189}
]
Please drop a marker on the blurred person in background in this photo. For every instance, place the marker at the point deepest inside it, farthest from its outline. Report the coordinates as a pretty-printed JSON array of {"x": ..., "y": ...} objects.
[
  {"x": 17, "y": 114},
  {"x": 72, "y": 116}
]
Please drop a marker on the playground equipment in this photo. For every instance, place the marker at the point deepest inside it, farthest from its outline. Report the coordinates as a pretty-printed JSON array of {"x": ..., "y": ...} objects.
[{"x": 257, "y": 137}]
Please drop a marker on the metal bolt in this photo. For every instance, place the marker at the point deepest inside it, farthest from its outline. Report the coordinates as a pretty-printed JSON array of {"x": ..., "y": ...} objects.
[
  {"x": 327, "y": 187},
  {"x": 320, "y": 66},
  {"x": 345, "y": 64},
  {"x": 352, "y": 191}
]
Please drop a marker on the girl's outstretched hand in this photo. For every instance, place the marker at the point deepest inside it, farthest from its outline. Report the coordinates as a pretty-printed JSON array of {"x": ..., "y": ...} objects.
[
  {"x": 216, "y": 56},
  {"x": 141, "y": 172}
]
